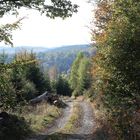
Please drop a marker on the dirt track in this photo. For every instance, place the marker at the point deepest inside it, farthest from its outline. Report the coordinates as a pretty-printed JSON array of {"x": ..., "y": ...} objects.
[
  {"x": 87, "y": 122},
  {"x": 83, "y": 133},
  {"x": 61, "y": 122}
]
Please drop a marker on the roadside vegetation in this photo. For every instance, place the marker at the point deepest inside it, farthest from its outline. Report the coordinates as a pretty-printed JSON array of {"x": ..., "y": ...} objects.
[
  {"x": 116, "y": 66},
  {"x": 13, "y": 127},
  {"x": 80, "y": 77},
  {"x": 23, "y": 79},
  {"x": 40, "y": 116},
  {"x": 111, "y": 78}
]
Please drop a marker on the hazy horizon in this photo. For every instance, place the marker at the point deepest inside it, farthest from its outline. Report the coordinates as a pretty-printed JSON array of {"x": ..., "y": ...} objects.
[{"x": 47, "y": 47}]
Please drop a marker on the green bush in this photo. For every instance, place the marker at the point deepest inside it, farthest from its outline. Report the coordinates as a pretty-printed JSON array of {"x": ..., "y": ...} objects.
[
  {"x": 7, "y": 91},
  {"x": 117, "y": 63},
  {"x": 29, "y": 90}
]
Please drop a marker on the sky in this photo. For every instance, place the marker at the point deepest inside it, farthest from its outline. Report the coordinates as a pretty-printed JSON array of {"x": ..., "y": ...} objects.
[{"x": 37, "y": 30}]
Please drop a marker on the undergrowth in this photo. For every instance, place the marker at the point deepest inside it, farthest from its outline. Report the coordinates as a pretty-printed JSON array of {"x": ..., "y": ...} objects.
[
  {"x": 74, "y": 121},
  {"x": 13, "y": 127},
  {"x": 41, "y": 115}
]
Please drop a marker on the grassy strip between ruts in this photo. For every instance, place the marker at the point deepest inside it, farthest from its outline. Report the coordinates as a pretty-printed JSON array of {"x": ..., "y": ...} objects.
[
  {"x": 74, "y": 121},
  {"x": 41, "y": 115},
  {"x": 71, "y": 126}
]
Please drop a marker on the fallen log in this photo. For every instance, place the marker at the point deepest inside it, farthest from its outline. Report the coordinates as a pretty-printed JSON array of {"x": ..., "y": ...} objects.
[
  {"x": 39, "y": 98},
  {"x": 48, "y": 97}
]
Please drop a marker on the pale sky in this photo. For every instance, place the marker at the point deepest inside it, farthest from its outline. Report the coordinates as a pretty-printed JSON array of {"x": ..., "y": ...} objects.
[{"x": 37, "y": 30}]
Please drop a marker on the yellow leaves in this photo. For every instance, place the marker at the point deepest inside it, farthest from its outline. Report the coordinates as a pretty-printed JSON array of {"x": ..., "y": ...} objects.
[
  {"x": 101, "y": 38},
  {"x": 102, "y": 10}
]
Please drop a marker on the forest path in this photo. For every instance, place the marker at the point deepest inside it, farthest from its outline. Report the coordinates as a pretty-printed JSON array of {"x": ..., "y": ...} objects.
[
  {"x": 87, "y": 122},
  {"x": 86, "y": 128},
  {"x": 84, "y": 132},
  {"x": 61, "y": 122},
  {"x": 57, "y": 124}
]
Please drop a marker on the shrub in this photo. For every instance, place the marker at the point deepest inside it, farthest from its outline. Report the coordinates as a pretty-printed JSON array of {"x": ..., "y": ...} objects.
[
  {"x": 13, "y": 127},
  {"x": 29, "y": 90}
]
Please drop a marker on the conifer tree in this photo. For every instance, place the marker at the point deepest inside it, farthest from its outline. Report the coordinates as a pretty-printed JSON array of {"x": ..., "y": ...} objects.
[{"x": 74, "y": 71}]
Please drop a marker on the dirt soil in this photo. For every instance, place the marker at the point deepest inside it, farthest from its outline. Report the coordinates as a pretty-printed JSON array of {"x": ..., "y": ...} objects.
[{"x": 84, "y": 132}]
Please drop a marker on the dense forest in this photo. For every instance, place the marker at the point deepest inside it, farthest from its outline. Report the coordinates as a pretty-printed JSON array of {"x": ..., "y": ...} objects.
[
  {"x": 63, "y": 57},
  {"x": 105, "y": 73},
  {"x": 116, "y": 65},
  {"x": 60, "y": 58}
]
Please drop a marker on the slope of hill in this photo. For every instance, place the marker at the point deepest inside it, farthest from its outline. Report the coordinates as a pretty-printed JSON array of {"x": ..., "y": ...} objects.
[
  {"x": 61, "y": 57},
  {"x": 13, "y": 50}
]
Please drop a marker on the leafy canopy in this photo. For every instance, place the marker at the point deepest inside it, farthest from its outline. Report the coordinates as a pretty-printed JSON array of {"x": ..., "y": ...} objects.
[
  {"x": 51, "y": 8},
  {"x": 56, "y": 8},
  {"x": 117, "y": 62}
]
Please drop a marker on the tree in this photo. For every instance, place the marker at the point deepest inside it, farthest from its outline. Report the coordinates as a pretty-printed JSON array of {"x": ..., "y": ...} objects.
[
  {"x": 47, "y": 81},
  {"x": 32, "y": 71},
  {"x": 63, "y": 87},
  {"x": 53, "y": 74},
  {"x": 54, "y": 8},
  {"x": 7, "y": 91},
  {"x": 74, "y": 71},
  {"x": 116, "y": 65},
  {"x": 3, "y": 57},
  {"x": 84, "y": 80},
  {"x": 80, "y": 78},
  {"x": 37, "y": 77}
]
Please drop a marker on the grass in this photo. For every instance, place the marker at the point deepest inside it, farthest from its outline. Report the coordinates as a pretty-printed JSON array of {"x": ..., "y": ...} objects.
[
  {"x": 70, "y": 127},
  {"x": 74, "y": 121},
  {"x": 40, "y": 116}
]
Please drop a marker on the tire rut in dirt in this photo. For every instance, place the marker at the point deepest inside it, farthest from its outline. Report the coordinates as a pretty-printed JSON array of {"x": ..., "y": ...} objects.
[
  {"x": 57, "y": 125},
  {"x": 85, "y": 132},
  {"x": 61, "y": 122}
]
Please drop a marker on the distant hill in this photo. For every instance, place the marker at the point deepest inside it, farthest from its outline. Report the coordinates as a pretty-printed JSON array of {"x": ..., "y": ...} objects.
[
  {"x": 60, "y": 57},
  {"x": 13, "y": 50},
  {"x": 63, "y": 57}
]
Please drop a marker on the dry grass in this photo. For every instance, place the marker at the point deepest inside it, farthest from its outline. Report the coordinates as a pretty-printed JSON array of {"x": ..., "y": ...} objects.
[
  {"x": 41, "y": 115},
  {"x": 103, "y": 130},
  {"x": 74, "y": 121}
]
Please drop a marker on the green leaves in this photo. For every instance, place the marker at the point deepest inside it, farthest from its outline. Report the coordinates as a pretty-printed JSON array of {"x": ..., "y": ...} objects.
[
  {"x": 21, "y": 81},
  {"x": 52, "y": 9},
  {"x": 117, "y": 63},
  {"x": 80, "y": 78},
  {"x": 7, "y": 92},
  {"x": 74, "y": 71},
  {"x": 62, "y": 86},
  {"x": 56, "y": 8},
  {"x": 6, "y": 30}
]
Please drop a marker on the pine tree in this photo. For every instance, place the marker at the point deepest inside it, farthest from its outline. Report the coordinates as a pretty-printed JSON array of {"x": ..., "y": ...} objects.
[
  {"x": 74, "y": 71},
  {"x": 63, "y": 87},
  {"x": 7, "y": 91},
  {"x": 80, "y": 76},
  {"x": 84, "y": 76}
]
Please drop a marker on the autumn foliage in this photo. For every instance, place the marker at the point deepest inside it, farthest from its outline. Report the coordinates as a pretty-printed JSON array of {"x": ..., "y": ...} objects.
[{"x": 117, "y": 63}]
